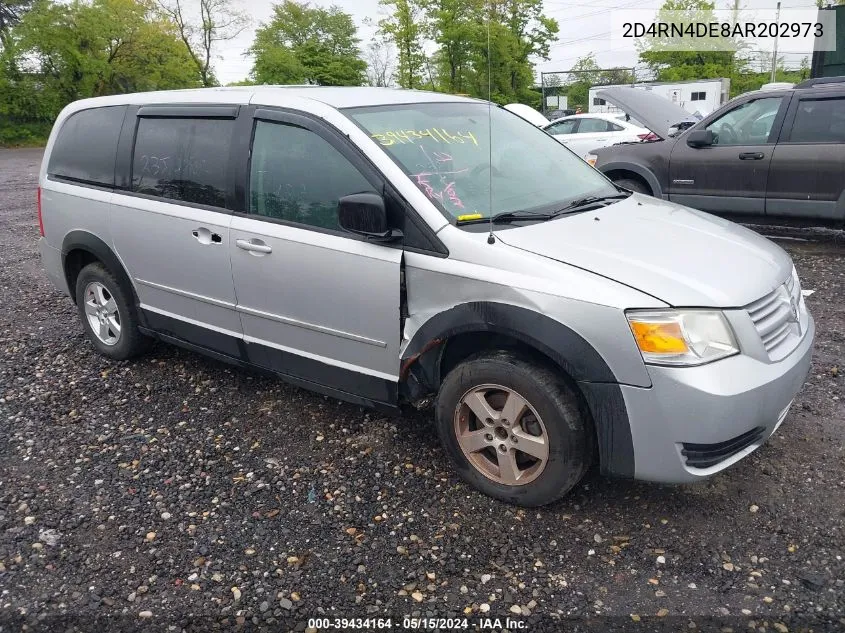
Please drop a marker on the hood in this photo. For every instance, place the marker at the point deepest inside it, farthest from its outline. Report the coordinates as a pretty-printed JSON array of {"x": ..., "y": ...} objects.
[
  {"x": 683, "y": 257},
  {"x": 655, "y": 112},
  {"x": 528, "y": 113}
]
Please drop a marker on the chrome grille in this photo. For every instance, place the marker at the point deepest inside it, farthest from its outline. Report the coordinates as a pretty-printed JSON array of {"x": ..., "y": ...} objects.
[{"x": 780, "y": 318}]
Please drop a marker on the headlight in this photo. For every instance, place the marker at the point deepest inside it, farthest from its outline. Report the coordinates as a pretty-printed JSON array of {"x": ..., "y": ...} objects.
[
  {"x": 682, "y": 337},
  {"x": 591, "y": 159}
]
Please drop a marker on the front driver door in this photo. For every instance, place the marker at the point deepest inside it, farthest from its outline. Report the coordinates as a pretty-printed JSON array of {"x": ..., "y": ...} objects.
[
  {"x": 729, "y": 176},
  {"x": 317, "y": 304}
]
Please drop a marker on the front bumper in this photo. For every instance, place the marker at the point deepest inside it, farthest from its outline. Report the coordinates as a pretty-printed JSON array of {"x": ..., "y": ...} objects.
[{"x": 706, "y": 408}]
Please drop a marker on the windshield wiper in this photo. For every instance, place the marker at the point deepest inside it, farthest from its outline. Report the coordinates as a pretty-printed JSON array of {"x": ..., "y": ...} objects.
[
  {"x": 510, "y": 216},
  {"x": 506, "y": 217},
  {"x": 578, "y": 205}
]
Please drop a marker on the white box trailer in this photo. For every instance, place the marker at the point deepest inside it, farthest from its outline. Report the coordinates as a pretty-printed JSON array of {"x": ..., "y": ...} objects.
[{"x": 698, "y": 97}]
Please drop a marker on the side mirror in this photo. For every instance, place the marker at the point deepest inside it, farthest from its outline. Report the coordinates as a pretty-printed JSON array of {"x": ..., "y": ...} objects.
[
  {"x": 700, "y": 138},
  {"x": 365, "y": 214}
]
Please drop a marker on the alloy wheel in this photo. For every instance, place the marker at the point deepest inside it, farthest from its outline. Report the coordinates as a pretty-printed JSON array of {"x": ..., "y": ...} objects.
[
  {"x": 102, "y": 313},
  {"x": 501, "y": 435}
]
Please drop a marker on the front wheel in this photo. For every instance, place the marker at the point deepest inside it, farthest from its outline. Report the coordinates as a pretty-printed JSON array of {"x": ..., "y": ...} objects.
[{"x": 514, "y": 429}]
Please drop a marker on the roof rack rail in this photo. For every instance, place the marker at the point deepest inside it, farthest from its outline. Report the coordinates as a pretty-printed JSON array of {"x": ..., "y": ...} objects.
[{"x": 820, "y": 81}]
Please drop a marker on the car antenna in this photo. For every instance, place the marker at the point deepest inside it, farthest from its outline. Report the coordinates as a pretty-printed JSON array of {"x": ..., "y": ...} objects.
[{"x": 490, "y": 238}]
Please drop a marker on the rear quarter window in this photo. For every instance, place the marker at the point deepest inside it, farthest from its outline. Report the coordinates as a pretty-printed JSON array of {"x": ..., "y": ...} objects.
[{"x": 86, "y": 146}]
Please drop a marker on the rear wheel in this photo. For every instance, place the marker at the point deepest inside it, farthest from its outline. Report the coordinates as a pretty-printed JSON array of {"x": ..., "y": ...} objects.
[
  {"x": 632, "y": 184},
  {"x": 514, "y": 428},
  {"x": 108, "y": 313}
]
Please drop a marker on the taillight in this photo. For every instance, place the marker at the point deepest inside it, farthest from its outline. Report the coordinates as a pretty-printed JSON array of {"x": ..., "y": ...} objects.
[
  {"x": 40, "y": 220},
  {"x": 651, "y": 136}
]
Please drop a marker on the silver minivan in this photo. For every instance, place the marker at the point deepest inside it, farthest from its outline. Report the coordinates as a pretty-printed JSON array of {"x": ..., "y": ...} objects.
[{"x": 386, "y": 247}]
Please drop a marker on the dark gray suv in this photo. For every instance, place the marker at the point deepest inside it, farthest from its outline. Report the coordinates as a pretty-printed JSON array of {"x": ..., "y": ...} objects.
[{"x": 765, "y": 153}]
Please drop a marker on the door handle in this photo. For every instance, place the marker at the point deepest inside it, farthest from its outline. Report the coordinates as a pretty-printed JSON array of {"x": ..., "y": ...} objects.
[
  {"x": 205, "y": 236},
  {"x": 751, "y": 156},
  {"x": 254, "y": 245}
]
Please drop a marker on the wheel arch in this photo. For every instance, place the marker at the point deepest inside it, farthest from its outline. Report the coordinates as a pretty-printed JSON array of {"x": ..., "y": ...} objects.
[
  {"x": 628, "y": 170},
  {"x": 466, "y": 327},
  {"x": 80, "y": 248}
]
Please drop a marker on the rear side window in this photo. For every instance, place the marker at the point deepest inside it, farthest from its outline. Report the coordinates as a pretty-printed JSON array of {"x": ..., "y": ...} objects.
[
  {"x": 819, "y": 121},
  {"x": 86, "y": 146},
  {"x": 591, "y": 126},
  {"x": 183, "y": 159}
]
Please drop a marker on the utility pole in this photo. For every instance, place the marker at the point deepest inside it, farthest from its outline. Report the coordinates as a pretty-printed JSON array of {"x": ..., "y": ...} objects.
[
  {"x": 775, "y": 50},
  {"x": 543, "y": 91}
]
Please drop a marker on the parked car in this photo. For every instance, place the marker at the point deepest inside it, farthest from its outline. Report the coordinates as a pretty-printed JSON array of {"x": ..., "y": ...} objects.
[
  {"x": 371, "y": 245},
  {"x": 584, "y": 132},
  {"x": 551, "y": 115},
  {"x": 528, "y": 113},
  {"x": 774, "y": 152}
]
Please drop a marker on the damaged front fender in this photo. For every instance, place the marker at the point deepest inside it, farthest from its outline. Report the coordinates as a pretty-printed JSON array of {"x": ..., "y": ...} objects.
[{"x": 422, "y": 355}]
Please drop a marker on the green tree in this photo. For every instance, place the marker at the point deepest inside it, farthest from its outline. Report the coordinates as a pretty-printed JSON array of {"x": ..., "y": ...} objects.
[
  {"x": 716, "y": 60},
  {"x": 219, "y": 21},
  {"x": 406, "y": 28},
  {"x": 485, "y": 48},
  {"x": 533, "y": 33},
  {"x": 11, "y": 12},
  {"x": 457, "y": 27},
  {"x": 615, "y": 76},
  {"x": 519, "y": 34},
  {"x": 381, "y": 66},
  {"x": 305, "y": 44},
  {"x": 62, "y": 52},
  {"x": 584, "y": 74}
]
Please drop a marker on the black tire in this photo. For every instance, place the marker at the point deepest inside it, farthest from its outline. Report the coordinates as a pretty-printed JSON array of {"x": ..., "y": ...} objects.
[
  {"x": 634, "y": 185},
  {"x": 130, "y": 342},
  {"x": 567, "y": 424}
]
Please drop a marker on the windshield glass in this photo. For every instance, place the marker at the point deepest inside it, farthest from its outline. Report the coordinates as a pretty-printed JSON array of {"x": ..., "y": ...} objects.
[{"x": 445, "y": 150}]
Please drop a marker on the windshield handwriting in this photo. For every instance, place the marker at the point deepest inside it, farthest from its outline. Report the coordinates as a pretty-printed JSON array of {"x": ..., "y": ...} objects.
[
  {"x": 439, "y": 169},
  {"x": 438, "y": 135}
]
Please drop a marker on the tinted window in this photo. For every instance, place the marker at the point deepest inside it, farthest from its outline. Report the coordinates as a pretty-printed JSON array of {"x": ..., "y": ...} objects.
[
  {"x": 298, "y": 176},
  {"x": 86, "y": 146},
  {"x": 613, "y": 127},
  {"x": 747, "y": 124},
  {"x": 183, "y": 159},
  {"x": 588, "y": 126},
  {"x": 819, "y": 121}
]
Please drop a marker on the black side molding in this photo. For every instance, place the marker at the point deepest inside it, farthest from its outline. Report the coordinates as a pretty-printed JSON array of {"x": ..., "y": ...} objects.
[
  {"x": 314, "y": 375},
  {"x": 85, "y": 241}
]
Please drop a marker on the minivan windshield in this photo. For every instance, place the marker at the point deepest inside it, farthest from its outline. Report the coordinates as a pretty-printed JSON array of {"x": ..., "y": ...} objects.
[{"x": 445, "y": 150}]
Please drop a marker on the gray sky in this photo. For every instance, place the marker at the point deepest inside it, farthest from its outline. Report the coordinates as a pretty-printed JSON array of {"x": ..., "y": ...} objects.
[{"x": 584, "y": 28}]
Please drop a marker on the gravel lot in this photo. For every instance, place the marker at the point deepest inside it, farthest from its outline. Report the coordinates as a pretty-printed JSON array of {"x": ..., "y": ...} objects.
[{"x": 177, "y": 492}]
